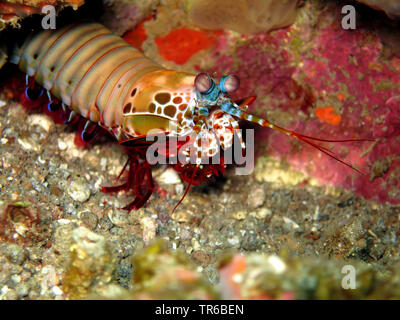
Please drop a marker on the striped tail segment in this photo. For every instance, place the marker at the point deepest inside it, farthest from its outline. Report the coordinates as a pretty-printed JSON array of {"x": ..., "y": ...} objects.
[
  {"x": 89, "y": 72},
  {"x": 86, "y": 67}
]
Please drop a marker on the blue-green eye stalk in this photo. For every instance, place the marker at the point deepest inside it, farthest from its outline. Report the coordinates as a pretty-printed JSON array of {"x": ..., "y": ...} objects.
[{"x": 210, "y": 94}]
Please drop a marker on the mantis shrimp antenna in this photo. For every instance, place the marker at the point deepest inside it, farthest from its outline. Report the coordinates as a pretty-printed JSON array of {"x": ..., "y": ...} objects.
[
  {"x": 187, "y": 188},
  {"x": 235, "y": 110}
]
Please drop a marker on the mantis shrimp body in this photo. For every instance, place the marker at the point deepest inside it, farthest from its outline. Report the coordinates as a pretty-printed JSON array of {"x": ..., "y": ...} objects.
[{"x": 89, "y": 72}]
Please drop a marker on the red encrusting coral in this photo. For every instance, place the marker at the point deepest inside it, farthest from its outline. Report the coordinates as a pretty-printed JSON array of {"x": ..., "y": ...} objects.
[
  {"x": 181, "y": 44},
  {"x": 137, "y": 36},
  {"x": 328, "y": 115}
]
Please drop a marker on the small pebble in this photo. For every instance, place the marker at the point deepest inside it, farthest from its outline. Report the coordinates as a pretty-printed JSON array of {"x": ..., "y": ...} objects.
[
  {"x": 234, "y": 241},
  {"x": 181, "y": 216},
  {"x": 291, "y": 223},
  {"x": 169, "y": 176},
  {"x": 57, "y": 291},
  {"x": 256, "y": 198},
  {"x": 15, "y": 253},
  {"x": 149, "y": 226},
  {"x": 186, "y": 234},
  {"x": 195, "y": 244},
  {"x": 79, "y": 191},
  {"x": 89, "y": 219},
  {"x": 201, "y": 257},
  {"x": 62, "y": 145},
  {"x": 262, "y": 213},
  {"x": 41, "y": 120},
  {"x": 240, "y": 215},
  {"x": 29, "y": 145}
]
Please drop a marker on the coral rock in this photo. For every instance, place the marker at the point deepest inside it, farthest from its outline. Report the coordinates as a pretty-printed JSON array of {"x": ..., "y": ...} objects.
[
  {"x": 266, "y": 277},
  {"x": 91, "y": 263},
  {"x": 243, "y": 16},
  {"x": 160, "y": 273}
]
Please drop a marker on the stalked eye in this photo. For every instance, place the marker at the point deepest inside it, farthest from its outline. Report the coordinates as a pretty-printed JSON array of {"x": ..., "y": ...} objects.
[
  {"x": 203, "y": 82},
  {"x": 229, "y": 83}
]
